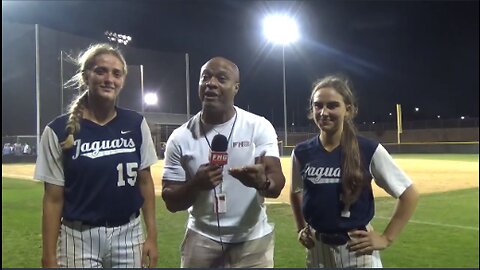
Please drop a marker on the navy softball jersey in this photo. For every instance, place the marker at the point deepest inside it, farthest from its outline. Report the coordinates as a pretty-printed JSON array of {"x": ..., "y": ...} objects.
[
  {"x": 318, "y": 174},
  {"x": 99, "y": 172}
]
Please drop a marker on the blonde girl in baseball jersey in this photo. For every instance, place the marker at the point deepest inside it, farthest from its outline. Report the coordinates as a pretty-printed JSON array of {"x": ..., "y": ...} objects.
[
  {"x": 95, "y": 162},
  {"x": 331, "y": 195}
]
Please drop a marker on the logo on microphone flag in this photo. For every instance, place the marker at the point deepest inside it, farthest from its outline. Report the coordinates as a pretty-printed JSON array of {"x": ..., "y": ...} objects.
[{"x": 218, "y": 158}]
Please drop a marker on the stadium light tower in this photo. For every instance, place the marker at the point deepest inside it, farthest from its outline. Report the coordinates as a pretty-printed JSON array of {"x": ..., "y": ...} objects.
[
  {"x": 119, "y": 38},
  {"x": 283, "y": 30}
]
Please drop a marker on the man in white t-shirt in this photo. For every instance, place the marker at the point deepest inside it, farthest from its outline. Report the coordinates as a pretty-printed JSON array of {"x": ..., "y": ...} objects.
[{"x": 227, "y": 224}]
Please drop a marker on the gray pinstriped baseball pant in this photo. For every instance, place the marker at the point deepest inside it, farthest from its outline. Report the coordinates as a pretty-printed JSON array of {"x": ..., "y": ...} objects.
[
  {"x": 83, "y": 246},
  {"x": 329, "y": 256}
]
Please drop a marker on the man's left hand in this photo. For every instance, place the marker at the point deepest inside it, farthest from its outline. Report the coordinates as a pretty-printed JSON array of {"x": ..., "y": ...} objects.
[{"x": 251, "y": 176}]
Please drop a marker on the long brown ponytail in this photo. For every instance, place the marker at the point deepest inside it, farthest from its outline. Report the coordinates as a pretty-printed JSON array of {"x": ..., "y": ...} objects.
[{"x": 353, "y": 180}]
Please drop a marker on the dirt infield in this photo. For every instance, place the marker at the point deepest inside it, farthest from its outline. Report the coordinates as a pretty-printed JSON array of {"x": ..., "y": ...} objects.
[{"x": 428, "y": 175}]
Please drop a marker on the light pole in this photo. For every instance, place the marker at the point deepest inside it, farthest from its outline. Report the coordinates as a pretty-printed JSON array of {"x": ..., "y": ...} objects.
[
  {"x": 284, "y": 97},
  {"x": 281, "y": 29}
]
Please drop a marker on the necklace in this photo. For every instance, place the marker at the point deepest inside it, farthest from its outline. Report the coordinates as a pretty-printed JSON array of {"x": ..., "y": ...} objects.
[
  {"x": 218, "y": 132},
  {"x": 229, "y": 135}
]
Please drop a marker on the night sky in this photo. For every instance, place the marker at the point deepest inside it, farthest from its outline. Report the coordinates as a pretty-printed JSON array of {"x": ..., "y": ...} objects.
[{"x": 421, "y": 54}]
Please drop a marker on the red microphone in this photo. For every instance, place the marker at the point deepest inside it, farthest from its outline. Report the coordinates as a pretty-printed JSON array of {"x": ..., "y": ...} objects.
[{"x": 218, "y": 153}]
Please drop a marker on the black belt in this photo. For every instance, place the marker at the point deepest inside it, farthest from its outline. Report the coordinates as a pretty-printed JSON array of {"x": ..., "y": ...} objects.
[
  {"x": 81, "y": 225},
  {"x": 334, "y": 239}
]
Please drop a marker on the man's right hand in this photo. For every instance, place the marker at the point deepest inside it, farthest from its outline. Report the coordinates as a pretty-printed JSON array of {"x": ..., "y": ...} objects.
[{"x": 208, "y": 176}]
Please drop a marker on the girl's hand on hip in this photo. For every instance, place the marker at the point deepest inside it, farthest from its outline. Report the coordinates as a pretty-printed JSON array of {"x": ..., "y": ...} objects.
[
  {"x": 364, "y": 243},
  {"x": 306, "y": 237}
]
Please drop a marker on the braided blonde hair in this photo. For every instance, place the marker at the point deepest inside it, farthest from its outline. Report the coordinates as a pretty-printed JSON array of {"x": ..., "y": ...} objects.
[
  {"x": 353, "y": 179},
  {"x": 85, "y": 61}
]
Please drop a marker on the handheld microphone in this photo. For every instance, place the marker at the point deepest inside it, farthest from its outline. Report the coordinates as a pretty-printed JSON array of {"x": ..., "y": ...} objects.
[{"x": 218, "y": 154}]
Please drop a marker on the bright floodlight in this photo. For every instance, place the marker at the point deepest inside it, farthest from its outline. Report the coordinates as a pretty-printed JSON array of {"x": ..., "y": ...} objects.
[
  {"x": 280, "y": 29},
  {"x": 151, "y": 99},
  {"x": 119, "y": 38}
]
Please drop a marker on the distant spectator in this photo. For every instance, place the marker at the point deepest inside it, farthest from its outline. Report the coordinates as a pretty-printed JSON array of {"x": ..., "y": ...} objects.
[
  {"x": 7, "y": 149},
  {"x": 163, "y": 145},
  {"x": 17, "y": 149},
  {"x": 27, "y": 150}
]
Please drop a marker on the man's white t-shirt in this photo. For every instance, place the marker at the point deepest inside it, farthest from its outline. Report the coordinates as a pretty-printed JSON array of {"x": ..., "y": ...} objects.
[{"x": 187, "y": 149}]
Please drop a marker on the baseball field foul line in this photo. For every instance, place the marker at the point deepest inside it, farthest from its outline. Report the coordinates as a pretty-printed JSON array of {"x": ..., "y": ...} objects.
[{"x": 437, "y": 224}]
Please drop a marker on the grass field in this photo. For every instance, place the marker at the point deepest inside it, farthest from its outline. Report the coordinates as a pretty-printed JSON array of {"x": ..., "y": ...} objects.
[{"x": 442, "y": 233}]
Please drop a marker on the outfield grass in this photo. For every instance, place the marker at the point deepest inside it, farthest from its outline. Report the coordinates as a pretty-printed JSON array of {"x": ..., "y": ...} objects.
[
  {"x": 456, "y": 157},
  {"x": 443, "y": 231}
]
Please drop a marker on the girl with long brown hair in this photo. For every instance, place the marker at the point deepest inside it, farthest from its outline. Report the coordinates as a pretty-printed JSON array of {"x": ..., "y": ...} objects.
[{"x": 331, "y": 195}]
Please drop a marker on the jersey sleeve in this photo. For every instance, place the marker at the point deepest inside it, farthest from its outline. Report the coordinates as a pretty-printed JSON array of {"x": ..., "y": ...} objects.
[
  {"x": 266, "y": 139},
  {"x": 49, "y": 165},
  {"x": 297, "y": 183},
  {"x": 387, "y": 174},
  {"x": 172, "y": 169},
  {"x": 148, "y": 155}
]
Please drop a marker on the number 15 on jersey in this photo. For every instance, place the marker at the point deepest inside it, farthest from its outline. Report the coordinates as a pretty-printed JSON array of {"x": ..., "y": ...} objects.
[{"x": 131, "y": 169}]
